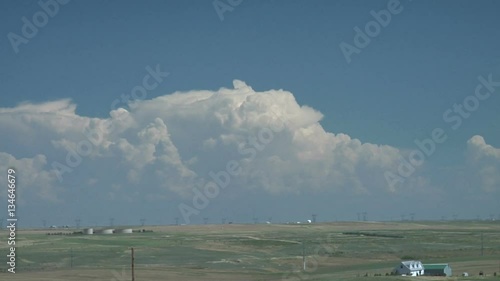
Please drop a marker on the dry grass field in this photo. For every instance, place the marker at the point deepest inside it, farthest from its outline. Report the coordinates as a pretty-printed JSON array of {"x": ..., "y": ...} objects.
[{"x": 334, "y": 251}]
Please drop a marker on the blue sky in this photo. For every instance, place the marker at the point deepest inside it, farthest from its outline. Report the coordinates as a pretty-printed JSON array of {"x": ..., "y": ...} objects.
[{"x": 394, "y": 91}]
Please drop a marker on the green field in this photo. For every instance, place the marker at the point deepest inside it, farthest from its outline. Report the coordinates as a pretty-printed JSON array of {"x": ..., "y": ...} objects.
[{"x": 334, "y": 251}]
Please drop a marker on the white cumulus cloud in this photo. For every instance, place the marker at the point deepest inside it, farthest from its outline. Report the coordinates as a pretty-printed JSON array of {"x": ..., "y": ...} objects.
[
  {"x": 171, "y": 143},
  {"x": 484, "y": 161}
]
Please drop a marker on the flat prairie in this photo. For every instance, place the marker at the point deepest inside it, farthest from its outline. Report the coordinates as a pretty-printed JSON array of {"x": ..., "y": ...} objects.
[{"x": 332, "y": 251}]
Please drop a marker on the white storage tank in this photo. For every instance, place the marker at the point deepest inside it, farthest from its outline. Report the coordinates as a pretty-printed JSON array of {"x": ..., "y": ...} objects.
[
  {"x": 126, "y": 230},
  {"x": 107, "y": 231},
  {"x": 88, "y": 231}
]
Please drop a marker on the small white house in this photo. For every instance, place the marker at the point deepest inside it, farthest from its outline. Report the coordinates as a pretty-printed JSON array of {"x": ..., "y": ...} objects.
[{"x": 410, "y": 268}]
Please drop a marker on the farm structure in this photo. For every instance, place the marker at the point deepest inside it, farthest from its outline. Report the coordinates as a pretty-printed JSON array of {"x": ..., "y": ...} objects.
[
  {"x": 410, "y": 268},
  {"x": 443, "y": 269}
]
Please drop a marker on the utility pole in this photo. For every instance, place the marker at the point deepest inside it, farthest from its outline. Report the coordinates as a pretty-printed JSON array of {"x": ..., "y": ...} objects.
[
  {"x": 176, "y": 221},
  {"x": 111, "y": 222},
  {"x": 482, "y": 245},
  {"x": 314, "y": 218},
  {"x": 44, "y": 222},
  {"x": 364, "y": 216},
  {"x": 143, "y": 221},
  {"x": 77, "y": 223},
  {"x": 303, "y": 256},
  {"x": 205, "y": 220},
  {"x": 412, "y": 216},
  {"x": 132, "y": 266}
]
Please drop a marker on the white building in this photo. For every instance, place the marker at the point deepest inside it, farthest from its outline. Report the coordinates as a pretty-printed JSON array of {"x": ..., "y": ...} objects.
[{"x": 410, "y": 268}]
